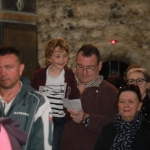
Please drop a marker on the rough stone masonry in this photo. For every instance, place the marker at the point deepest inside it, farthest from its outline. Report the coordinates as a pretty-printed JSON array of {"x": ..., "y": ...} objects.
[{"x": 97, "y": 22}]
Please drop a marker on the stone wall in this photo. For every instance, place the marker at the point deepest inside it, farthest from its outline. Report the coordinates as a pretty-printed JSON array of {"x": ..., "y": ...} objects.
[{"x": 97, "y": 22}]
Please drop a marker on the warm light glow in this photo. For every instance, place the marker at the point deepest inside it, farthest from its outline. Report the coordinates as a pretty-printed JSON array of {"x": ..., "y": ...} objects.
[{"x": 113, "y": 42}]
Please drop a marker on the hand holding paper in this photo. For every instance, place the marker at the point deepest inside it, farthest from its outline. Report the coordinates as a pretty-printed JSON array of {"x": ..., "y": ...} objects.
[{"x": 78, "y": 116}]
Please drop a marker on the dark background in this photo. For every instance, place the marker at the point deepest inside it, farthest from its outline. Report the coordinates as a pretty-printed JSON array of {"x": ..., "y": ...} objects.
[
  {"x": 24, "y": 38},
  {"x": 29, "y": 5}
]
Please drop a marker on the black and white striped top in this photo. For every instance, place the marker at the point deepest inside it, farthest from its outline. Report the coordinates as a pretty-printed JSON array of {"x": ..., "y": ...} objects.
[{"x": 55, "y": 90}]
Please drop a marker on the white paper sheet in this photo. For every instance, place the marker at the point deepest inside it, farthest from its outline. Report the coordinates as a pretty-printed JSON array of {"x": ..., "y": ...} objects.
[{"x": 74, "y": 104}]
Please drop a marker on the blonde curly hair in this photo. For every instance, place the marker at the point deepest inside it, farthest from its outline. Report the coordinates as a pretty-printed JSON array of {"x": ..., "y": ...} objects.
[{"x": 53, "y": 43}]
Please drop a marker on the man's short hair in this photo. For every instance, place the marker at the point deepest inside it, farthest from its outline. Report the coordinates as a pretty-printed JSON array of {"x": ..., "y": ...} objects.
[
  {"x": 88, "y": 50},
  {"x": 5, "y": 50}
]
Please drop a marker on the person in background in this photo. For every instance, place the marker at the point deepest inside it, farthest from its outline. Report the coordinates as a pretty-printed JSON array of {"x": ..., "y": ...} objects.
[
  {"x": 130, "y": 67},
  {"x": 22, "y": 103},
  {"x": 116, "y": 80},
  {"x": 129, "y": 130},
  {"x": 140, "y": 77},
  {"x": 98, "y": 99},
  {"x": 58, "y": 81}
]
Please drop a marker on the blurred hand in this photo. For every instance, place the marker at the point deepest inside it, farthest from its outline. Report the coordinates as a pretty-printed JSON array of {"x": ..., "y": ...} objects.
[{"x": 78, "y": 116}]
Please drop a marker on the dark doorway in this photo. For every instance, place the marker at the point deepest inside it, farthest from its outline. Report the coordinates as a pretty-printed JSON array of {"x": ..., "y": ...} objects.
[
  {"x": 113, "y": 68},
  {"x": 24, "y": 38},
  {"x": 113, "y": 72}
]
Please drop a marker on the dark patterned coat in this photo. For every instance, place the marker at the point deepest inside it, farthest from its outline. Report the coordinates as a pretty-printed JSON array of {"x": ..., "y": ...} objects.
[
  {"x": 146, "y": 107},
  {"x": 141, "y": 141}
]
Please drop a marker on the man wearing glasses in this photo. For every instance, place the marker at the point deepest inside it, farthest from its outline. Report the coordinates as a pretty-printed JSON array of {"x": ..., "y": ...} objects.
[{"x": 98, "y": 99}]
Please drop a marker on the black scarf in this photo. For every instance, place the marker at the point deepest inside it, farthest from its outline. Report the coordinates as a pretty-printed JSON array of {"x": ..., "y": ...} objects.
[{"x": 125, "y": 131}]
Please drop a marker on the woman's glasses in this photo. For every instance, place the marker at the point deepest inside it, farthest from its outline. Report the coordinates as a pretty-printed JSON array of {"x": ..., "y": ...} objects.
[{"x": 137, "y": 81}]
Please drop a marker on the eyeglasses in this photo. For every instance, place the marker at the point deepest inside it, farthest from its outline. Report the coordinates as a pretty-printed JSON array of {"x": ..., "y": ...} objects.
[
  {"x": 138, "y": 81},
  {"x": 88, "y": 68}
]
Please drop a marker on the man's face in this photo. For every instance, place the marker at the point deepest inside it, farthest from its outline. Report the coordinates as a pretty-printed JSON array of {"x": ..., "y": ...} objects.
[
  {"x": 85, "y": 75},
  {"x": 10, "y": 71}
]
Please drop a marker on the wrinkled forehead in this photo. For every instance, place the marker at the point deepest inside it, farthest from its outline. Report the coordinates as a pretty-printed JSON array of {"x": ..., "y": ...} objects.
[{"x": 88, "y": 60}]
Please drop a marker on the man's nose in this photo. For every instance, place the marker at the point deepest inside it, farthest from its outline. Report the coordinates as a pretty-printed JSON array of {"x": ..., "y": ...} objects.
[
  {"x": 84, "y": 70},
  {"x": 2, "y": 71}
]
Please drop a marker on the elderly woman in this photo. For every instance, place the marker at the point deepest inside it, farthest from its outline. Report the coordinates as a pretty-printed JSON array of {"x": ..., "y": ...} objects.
[
  {"x": 129, "y": 131},
  {"x": 140, "y": 77}
]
